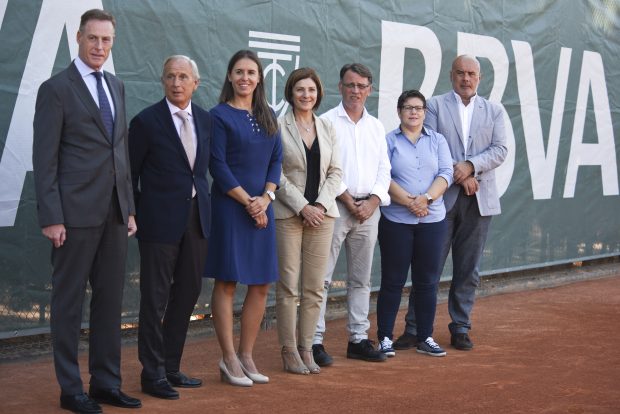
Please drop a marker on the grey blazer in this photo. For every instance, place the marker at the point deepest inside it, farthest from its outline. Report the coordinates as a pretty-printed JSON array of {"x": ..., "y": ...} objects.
[
  {"x": 486, "y": 147},
  {"x": 290, "y": 195},
  {"x": 76, "y": 163}
]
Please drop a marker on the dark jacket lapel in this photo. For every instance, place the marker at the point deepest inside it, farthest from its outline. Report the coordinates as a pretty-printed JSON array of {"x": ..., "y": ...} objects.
[
  {"x": 114, "y": 88},
  {"x": 202, "y": 136},
  {"x": 87, "y": 99},
  {"x": 164, "y": 117}
]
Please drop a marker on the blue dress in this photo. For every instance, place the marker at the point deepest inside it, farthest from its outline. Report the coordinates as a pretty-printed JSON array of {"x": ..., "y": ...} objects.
[{"x": 242, "y": 154}]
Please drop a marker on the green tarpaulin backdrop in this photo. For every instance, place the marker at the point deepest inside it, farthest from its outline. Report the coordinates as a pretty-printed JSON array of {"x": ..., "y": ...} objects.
[{"x": 553, "y": 65}]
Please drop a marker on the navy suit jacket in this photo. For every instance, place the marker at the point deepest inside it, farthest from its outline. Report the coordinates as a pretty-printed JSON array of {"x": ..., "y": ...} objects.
[{"x": 162, "y": 177}]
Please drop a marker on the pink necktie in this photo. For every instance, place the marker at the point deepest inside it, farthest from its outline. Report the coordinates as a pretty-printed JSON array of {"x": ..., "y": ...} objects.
[{"x": 187, "y": 137}]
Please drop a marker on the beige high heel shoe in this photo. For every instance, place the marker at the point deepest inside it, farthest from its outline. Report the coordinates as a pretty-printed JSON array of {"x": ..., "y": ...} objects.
[
  {"x": 226, "y": 376},
  {"x": 257, "y": 377},
  {"x": 292, "y": 361},
  {"x": 308, "y": 359}
]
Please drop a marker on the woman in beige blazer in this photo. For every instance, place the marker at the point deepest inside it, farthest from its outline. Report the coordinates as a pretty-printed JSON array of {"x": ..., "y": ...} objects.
[{"x": 304, "y": 209}]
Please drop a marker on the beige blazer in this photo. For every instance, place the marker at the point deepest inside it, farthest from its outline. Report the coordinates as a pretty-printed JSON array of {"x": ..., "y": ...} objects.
[{"x": 290, "y": 195}]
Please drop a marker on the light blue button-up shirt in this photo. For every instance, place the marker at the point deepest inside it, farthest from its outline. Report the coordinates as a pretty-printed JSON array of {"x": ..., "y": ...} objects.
[{"x": 414, "y": 168}]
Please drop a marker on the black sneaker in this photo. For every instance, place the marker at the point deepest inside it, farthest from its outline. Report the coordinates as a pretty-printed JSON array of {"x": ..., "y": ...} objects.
[
  {"x": 461, "y": 341},
  {"x": 321, "y": 357},
  {"x": 430, "y": 347},
  {"x": 365, "y": 350},
  {"x": 405, "y": 341}
]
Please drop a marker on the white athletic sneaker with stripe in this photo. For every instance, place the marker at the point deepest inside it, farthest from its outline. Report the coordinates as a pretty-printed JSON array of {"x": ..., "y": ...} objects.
[{"x": 385, "y": 346}]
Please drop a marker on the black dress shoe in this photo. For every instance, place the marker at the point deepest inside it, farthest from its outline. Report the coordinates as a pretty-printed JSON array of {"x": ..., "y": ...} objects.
[
  {"x": 405, "y": 341},
  {"x": 320, "y": 355},
  {"x": 179, "y": 379},
  {"x": 114, "y": 396},
  {"x": 159, "y": 388},
  {"x": 461, "y": 341},
  {"x": 79, "y": 403},
  {"x": 365, "y": 350}
]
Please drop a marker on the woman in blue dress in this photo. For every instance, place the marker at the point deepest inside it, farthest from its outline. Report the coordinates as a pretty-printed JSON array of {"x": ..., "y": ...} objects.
[{"x": 246, "y": 158}]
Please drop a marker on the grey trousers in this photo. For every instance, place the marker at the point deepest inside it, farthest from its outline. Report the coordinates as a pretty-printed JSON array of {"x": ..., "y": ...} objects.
[
  {"x": 467, "y": 235},
  {"x": 96, "y": 255},
  {"x": 359, "y": 241}
]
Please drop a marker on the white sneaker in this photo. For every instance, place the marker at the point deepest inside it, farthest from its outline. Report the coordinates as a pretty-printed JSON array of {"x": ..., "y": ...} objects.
[{"x": 385, "y": 346}]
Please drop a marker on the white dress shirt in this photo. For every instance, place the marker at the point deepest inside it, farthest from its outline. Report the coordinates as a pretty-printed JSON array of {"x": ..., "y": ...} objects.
[
  {"x": 364, "y": 156},
  {"x": 91, "y": 83},
  {"x": 178, "y": 122},
  {"x": 466, "y": 113}
]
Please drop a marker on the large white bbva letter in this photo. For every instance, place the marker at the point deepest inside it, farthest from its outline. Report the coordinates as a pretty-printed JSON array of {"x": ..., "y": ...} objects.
[
  {"x": 604, "y": 152},
  {"x": 17, "y": 156},
  {"x": 3, "y": 4},
  {"x": 395, "y": 39},
  {"x": 492, "y": 49},
  {"x": 542, "y": 167}
]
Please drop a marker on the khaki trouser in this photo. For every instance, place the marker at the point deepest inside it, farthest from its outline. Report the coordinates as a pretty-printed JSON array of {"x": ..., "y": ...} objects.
[{"x": 302, "y": 260}]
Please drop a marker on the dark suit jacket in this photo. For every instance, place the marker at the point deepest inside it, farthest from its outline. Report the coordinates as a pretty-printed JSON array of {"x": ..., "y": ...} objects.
[
  {"x": 76, "y": 164},
  {"x": 162, "y": 177}
]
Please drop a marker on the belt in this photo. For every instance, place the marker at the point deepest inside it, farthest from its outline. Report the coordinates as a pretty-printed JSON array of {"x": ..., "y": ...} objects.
[{"x": 361, "y": 198}]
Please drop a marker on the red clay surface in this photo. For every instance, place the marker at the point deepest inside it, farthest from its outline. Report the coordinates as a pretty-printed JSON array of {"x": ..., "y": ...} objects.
[{"x": 545, "y": 351}]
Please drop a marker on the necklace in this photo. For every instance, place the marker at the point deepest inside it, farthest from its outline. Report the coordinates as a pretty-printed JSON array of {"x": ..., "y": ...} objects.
[{"x": 307, "y": 128}]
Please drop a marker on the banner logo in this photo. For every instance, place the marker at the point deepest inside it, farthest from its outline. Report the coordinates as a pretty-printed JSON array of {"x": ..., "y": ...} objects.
[{"x": 277, "y": 49}]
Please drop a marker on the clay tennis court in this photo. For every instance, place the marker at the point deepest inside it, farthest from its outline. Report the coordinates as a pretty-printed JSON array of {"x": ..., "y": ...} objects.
[{"x": 549, "y": 350}]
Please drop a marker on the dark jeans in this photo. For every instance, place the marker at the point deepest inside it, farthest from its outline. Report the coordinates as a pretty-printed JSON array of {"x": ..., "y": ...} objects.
[
  {"x": 467, "y": 232},
  {"x": 403, "y": 246}
]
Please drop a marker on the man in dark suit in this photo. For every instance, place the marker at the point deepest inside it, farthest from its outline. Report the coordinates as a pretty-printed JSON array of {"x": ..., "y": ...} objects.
[
  {"x": 474, "y": 130},
  {"x": 85, "y": 207},
  {"x": 169, "y": 151}
]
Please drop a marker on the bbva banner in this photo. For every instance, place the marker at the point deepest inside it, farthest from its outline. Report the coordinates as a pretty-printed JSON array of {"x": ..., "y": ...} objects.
[{"x": 557, "y": 79}]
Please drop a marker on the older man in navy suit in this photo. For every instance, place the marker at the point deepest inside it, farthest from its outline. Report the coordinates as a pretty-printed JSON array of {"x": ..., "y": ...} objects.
[
  {"x": 474, "y": 129},
  {"x": 169, "y": 151}
]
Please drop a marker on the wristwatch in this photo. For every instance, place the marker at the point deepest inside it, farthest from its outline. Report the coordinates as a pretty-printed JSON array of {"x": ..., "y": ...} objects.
[
  {"x": 429, "y": 198},
  {"x": 271, "y": 195}
]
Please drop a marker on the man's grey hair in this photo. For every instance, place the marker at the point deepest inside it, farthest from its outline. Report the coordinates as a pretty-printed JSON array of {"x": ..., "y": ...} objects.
[{"x": 181, "y": 57}]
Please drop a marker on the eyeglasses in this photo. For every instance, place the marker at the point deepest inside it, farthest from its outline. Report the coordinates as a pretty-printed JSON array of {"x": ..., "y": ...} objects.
[
  {"x": 360, "y": 86},
  {"x": 409, "y": 108}
]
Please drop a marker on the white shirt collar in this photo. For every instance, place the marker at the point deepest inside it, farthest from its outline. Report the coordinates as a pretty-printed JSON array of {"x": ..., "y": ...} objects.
[
  {"x": 459, "y": 100},
  {"x": 343, "y": 112},
  {"x": 174, "y": 109},
  {"x": 83, "y": 68}
]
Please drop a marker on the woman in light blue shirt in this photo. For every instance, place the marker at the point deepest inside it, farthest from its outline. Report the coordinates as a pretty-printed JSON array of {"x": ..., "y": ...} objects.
[{"x": 412, "y": 230}]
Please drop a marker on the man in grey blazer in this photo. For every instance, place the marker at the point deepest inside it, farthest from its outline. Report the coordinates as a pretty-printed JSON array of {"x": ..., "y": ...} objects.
[
  {"x": 85, "y": 207},
  {"x": 474, "y": 129}
]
